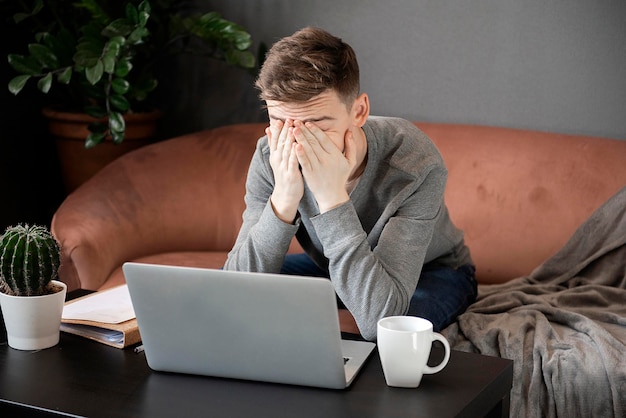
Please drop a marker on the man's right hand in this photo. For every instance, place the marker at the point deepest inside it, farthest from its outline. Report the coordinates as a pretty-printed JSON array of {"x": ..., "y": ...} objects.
[{"x": 288, "y": 181}]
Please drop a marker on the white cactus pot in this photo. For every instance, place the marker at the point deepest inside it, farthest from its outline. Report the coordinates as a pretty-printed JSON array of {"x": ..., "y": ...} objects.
[{"x": 33, "y": 322}]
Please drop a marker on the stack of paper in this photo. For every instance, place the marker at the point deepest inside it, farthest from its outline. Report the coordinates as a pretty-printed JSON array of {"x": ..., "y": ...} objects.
[{"x": 106, "y": 316}]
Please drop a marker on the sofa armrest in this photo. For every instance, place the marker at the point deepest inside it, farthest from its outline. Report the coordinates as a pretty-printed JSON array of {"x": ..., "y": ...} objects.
[{"x": 183, "y": 194}]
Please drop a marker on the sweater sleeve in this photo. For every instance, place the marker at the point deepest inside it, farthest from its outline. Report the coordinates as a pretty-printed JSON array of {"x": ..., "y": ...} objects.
[
  {"x": 263, "y": 239},
  {"x": 375, "y": 280}
]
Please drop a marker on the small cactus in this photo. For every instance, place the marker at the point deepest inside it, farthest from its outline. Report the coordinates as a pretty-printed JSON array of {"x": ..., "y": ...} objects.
[{"x": 29, "y": 260}]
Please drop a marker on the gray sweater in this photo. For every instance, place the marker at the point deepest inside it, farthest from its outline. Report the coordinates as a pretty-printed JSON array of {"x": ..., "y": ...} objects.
[{"x": 374, "y": 245}]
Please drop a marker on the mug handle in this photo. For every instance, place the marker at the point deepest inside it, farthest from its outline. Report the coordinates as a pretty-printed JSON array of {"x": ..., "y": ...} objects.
[{"x": 431, "y": 370}]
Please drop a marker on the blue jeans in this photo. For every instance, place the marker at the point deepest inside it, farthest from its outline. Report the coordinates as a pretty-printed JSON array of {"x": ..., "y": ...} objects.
[{"x": 442, "y": 294}]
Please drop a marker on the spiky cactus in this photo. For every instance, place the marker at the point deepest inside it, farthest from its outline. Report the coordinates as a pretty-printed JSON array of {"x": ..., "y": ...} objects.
[{"x": 29, "y": 260}]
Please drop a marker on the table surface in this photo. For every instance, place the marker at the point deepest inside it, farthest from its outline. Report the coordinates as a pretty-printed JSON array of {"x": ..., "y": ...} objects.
[{"x": 80, "y": 377}]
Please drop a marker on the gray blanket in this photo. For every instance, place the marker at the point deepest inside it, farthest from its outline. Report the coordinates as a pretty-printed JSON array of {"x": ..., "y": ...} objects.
[{"x": 564, "y": 325}]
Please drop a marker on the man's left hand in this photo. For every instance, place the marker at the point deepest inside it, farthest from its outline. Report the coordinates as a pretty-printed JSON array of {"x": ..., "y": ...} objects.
[{"x": 324, "y": 167}]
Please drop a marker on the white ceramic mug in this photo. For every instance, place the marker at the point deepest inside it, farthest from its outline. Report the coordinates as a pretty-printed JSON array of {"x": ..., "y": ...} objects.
[{"x": 404, "y": 344}]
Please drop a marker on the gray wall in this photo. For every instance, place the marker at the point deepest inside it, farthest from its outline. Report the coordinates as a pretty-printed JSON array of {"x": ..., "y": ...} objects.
[{"x": 550, "y": 65}]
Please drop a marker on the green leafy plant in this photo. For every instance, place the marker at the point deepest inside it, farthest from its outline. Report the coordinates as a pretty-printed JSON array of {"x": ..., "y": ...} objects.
[
  {"x": 103, "y": 57},
  {"x": 29, "y": 260}
]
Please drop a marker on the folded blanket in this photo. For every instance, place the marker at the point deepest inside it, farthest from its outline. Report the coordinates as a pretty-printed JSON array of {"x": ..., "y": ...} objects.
[{"x": 564, "y": 325}]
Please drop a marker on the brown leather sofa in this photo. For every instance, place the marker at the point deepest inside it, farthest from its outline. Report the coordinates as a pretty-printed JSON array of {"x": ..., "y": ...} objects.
[{"x": 517, "y": 194}]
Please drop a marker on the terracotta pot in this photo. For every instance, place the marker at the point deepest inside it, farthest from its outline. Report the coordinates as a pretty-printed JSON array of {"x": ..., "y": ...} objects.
[
  {"x": 33, "y": 322},
  {"x": 79, "y": 164}
]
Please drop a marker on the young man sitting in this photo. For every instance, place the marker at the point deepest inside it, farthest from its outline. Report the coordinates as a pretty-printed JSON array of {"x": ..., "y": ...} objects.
[{"x": 364, "y": 195}]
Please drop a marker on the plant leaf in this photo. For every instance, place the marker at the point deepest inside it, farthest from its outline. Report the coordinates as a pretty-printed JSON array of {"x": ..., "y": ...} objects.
[
  {"x": 242, "y": 40},
  {"x": 108, "y": 62},
  {"x": 131, "y": 13},
  {"x": 119, "y": 102},
  {"x": 116, "y": 122},
  {"x": 17, "y": 83},
  {"x": 136, "y": 36},
  {"x": 119, "y": 27},
  {"x": 123, "y": 67},
  {"x": 117, "y": 137},
  {"x": 115, "y": 44},
  {"x": 120, "y": 86},
  {"x": 94, "y": 74},
  {"x": 45, "y": 83},
  {"x": 24, "y": 65},
  {"x": 145, "y": 7},
  {"x": 65, "y": 76},
  {"x": 37, "y": 6},
  {"x": 43, "y": 55},
  {"x": 93, "y": 139},
  {"x": 87, "y": 53},
  {"x": 143, "y": 18}
]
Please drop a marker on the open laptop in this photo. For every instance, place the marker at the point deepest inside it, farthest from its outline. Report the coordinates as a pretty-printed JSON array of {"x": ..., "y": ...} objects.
[{"x": 253, "y": 326}]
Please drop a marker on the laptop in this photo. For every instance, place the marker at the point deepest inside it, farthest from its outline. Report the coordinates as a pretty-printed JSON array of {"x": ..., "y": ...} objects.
[{"x": 241, "y": 325}]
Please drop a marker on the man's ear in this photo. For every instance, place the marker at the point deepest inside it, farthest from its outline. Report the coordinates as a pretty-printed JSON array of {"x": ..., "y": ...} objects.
[{"x": 361, "y": 109}]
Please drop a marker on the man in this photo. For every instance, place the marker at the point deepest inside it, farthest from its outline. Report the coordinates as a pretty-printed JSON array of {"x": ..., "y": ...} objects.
[{"x": 362, "y": 194}]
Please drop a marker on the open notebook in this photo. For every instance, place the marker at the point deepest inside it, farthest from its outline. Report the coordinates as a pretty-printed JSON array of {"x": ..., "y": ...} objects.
[{"x": 253, "y": 326}]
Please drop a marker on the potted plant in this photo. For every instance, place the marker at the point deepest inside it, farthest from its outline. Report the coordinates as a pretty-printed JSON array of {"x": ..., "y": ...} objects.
[
  {"x": 30, "y": 296},
  {"x": 103, "y": 59}
]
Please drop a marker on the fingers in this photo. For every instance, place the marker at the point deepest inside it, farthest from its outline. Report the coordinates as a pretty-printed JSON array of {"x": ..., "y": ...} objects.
[
  {"x": 310, "y": 150},
  {"x": 294, "y": 164},
  {"x": 312, "y": 137},
  {"x": 349, "y": 150},
  {"x": 280, "y": 137},
  {"x": 273, "y": 133}
]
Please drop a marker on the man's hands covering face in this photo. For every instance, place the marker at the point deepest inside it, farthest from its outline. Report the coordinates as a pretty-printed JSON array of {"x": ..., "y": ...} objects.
[{"x": 323, "y": 166}]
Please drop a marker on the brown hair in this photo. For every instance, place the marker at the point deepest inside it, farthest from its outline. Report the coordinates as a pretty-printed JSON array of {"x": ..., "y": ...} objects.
[{"x": 306, "y": 64}]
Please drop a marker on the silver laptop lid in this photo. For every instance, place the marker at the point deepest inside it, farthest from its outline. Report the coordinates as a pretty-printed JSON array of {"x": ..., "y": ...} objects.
[{"x": 254, "y": 326}]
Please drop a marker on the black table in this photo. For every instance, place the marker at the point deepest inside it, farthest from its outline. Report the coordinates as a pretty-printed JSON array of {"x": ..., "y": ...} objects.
[{"x": 79, "y": 377}]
